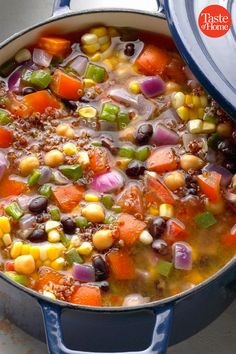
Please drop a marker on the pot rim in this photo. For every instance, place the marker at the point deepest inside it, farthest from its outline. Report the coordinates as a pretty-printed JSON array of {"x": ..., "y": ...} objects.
[{"x": 115, "y": 309}]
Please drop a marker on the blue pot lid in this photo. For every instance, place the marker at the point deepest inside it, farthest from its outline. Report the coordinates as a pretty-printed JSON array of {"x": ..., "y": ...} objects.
[{"x": 212, "y": 60}]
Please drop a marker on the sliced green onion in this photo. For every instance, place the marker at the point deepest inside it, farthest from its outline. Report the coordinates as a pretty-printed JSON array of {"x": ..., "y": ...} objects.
[
  {"x": 96, "y": 143},
  {"x": 72, "y": 171},
  {"x": 205, "y": 220},
  {"x": 46, "y": 190},
  {"x": 96, "y": 73},
  {"x": 211, "y": 119},
  {"x": 164, "y": 268},
  {"x": 213, "y": 140},
  {"x": 4, "y": 117},
  {"x": 33, "y": 178},
  {"x": 127, "y": 151},
  {"x": 109, "y": 112},
  {"x": 72, "y": 257},
  {"x": 40, "y": 79},
  {"x": 107, "y": 201},
  {"x": 142, "y": 153},
  {"x": 81, "y": 222},
  {"x": 64, "y": 240},
  {"x": 21, "y": 279},
  {"x": 55, "y": 213},
  {"x": 14, "y": 211},
  {"x": 123, "y": 120}
]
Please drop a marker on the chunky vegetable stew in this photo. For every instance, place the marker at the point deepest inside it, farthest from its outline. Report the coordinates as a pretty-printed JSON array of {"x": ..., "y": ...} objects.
[{"x": 118, "y": 182}]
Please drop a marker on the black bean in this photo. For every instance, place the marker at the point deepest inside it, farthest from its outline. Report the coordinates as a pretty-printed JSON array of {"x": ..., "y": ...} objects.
[
  {"x": 101, "y": 268},
  {"x": 70, "y": 104},
  {"x": 161, "y": 247},
  {"x": 157, "y": 227},
  {"x": 38, "y": 235},
  {"x": 38, "y": 205},
  {"x": 103, "y": 285},
  {"x": 227, "y": 148},
  {"x": 28, "y": 90},
  {"x": 69, "y": 226},
  {"x": 135, "y": 169},
  {"x": 192, "y": 191},
  {"x": 109, "y": 144},
  {"x": 231, "y": 166},
  {"x": 144, "y": 133},
  {"x": 129, "y": 49}
]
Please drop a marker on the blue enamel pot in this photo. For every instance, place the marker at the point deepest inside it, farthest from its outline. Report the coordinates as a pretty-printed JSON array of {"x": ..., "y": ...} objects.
[{"x": 150, "y": 328}]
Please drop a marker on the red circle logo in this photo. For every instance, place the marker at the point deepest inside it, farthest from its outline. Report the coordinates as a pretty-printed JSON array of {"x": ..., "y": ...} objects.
[{"x": 214, "y": 21}]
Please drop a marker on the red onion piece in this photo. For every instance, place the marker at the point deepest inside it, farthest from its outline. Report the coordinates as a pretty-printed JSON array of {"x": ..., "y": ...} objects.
[
  {"x": 145, "y": 107},
  {"x": 41, "y": 57},
  {"x": 3, "y": 165},
  {"x": 152, "y": 86},
  {"x": 164, "y": 136},
  {"x": 182, "y": 256},
  {"x": 27, "y": 221},
  {"x": 120, "y": 95},
  {"x": 134, "y": 300},
  {"x": 79, "y": 64},
  {"x": 83, "y": 273},
  {"x": 59, "y": 178},
  {"x": 226, "y": 175},
  {"x": 107, "y": 182},
  {"x": 14, "y": 81},
  {"x": 169, "y": 116}
]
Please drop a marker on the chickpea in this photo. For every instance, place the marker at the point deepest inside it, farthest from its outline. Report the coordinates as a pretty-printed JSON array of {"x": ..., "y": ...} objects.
[
  {"x": 25, "y": 264},
  {"x": 65, "y": 130},
  {"x": 191, "y": 162},
  {"x": 54, "y": 158},
  {"x": 127, "y": 134},
  {"x": 174, "y": 180},
  {"x": 224, "y": 129},
  {"x": 93, "y": 212},
  {"x": 103, "y": 239},
  {"x": 28, "y": 164},
  {"x": 215, "y": 208}
]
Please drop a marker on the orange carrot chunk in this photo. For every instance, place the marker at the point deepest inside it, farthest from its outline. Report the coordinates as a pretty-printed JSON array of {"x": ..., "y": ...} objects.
[
  {"x": 68, "y": 197},
  {"x": 209, "y": 184},
  {"x": 162, "y": 160},
  {"x": 87, "y": 295},
  {"x": 129, "y": 228},
  {"x": 66, "y": 86},
  {"x": 54, "y": 45},
  {"x": 152, "y": 60},
  {"x": 121, "y": 264},
  {"x": 41, "y": 100},
  {"x": 47, "y": 276}
]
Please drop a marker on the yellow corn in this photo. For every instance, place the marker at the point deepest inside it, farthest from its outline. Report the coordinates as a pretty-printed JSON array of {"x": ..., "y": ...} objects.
[
  {"x": 134, "y": 87},
  {"x": 85, "y": 248},
  {"x": 51, "y": 225},
  {"x": 195, "y": 126},
  {"x": 83, "y": 158},
  {"x": 208, "y": 127},
  {"x": 108, "y": 63},
  {"x": 49, "y": 295},
  {"x": 89, "y": 38},
  {"x": 188, "y": 100},
  {"x": 43, "y": 252},
  {"x": 16, "y": 249},
  {"x": 193, "y": 113},
  {"x": 89, "y": 83},
  {"x": 183, "y": 113},
  {"x": 54, "y": 236},
  {"x": 196, "y": 101},
  {"x": 1, "y": 243},
  {"x": 99, "y": 31},
  {"x": 122, "y": 163},
  {"x": 87, "y": 112},
  {"x": 178, "y": 99},
  {"x": 103, "y": 40},
  {"x": 204, "y": 101},
  {"x": 91, "y": 48},
  {"x": 25, "y": 249},
  {"x": 58, "y": 264},
  {"x": 69, "y": 149},
  {"x": 113, "y": 32},
  {"x": 89, "y": 197},
  {"x": 105, "y": 46},
  {"x": 47, "y": 263},
  {"x": 75, "y": 241},
  {"x": 166, "y": 211},
  {"x": 53, "y": 253},
  {"x": 35, "y": 252},
  {"x": 96, "y": 57},
  {"x": 38, "y": 263},
  {"x": 201, "y": 113},
  {"x": 153, "y": 211},
  {"x": 7, "y": 240},
  {"x": 5, "y": 225},
  {"x": 1, "y": 233}
]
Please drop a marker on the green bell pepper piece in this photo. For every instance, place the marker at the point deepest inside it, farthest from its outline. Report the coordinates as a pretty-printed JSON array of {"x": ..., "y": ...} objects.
[
  {"x": 8, "y": 67},
  {"x": 164, "y": 268},
  {"x": 123, "y": 120},
  {"x": 46, "y": 190},
  {"x": 107, "y": 201},
  {"x": 142, "y": 153},
  {"x": 213, "y": 140},
  {"x": 127, "y": 151},
  {"x": 14, "y": 211},
  {"x": 109, "y": 112},
  {"x": 96, "y": 73},
  {"x": 73, "y": 172},
  {"x": 21, "y": 279},
  {"x": 40, "y": 79},
  {"x": 55, "y": 213},
  {"x": 72, "y": 257},
  {"x": 205, "y": 220},
  {"x": 33, "y": 178},
  {"x": 4, "y": 117},
  {"x": 64, "y": 240},
  {"x": 81, "y": 222}
]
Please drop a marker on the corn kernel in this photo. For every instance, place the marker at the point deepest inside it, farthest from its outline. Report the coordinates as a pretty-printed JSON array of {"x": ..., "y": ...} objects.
[
  {"x": 1, "y": 233},
  {"x": 58, "y": 264},
  {"x": 49, "y": 295},
  {"x": 91, "y": 48},
  {"x": 35, "y": 252},
  {"x": 89, "y": 197},
  {"x": 75, "y": 241},
  {"x": 103, "y": 40},
  {"x": 193, "y": 113},
  {"x": 51, "y": 225},
  {"x": 69, "y": 149},
  {"x": 134, "y": 87},
  {"x": 201, "y": 113},
  {"x": 54, "y": 236},
  {"x": 178, "y": 100},
  {"x": 96, "y": 57},
  {"x": 153, "y": 211},
  {"x": 53, "y": 253},
  {"x": 85, "y": 248},
  {"x": 83, "y": 158},
  {"x": 43, "y": 253},
  {"x": 1, "y": 244},
  {"x": 89, "y": 83},
  {"x": 47, "y": 263},
  {"x": 195, "y": 126},
  {"x": 196, "y": 101},
  {"x": 16, "y": 250},
  {"x": 105, "y": 46},
  {"x": 204, "y": 101},
  {"x": 89, "y": 38},
  {"x": 25, "y": 249},
  {"x": 108, "y": 63},
  {"x": 113, "y": 32},
  {"x": 166, "y": 211},
  {"x": 38, "y": 263},
  {"x": 188, "y": 100},
  {"x": 183, "y": 113},
  {"x": 99, "y": 31},
  {"x": 208, "y": 127},
  {"x": 87, "y": 112},
  {"x": 5, "y": 225},
  {"x": 7, "y": 240},
  {"x": 145, "y": 237},
  {"x": 122, "y": 163}
]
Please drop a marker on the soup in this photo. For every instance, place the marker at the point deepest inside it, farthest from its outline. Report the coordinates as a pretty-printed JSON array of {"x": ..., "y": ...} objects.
[{"x": 117, "y": 170}]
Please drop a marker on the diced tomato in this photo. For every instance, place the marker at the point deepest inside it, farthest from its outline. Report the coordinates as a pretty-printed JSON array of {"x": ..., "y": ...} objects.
[
  {"x": 87, "y": 295},
  {"x": 99, "y": 161},
  {"x": 10, "y": 187},
  {"x": 6, "y": 138},
  {"x": 17, "y": 107},
  {"x": 162, "y": 160},
  {"x": 121, "y": 264},
  {"x": 9, "y": 266},
  {"x": 67, "y": 197},
  {"x": 131, "y": 201},
  {"x": 129, "y": 228},
  {"x": 176, "y": 231},
  {"x": 174, "y": 71},
  {"x": 209, "y": 184},
  {"x": 46, "y": 276},
  {"x": 41, "y": 100},
  {"x": 54, "y": 45},
  {"x": 187, "y": 209},
  {"x": 156, "y": 192},
  {"x": 152, "y": 60},
  {"x": 66, "y": 86},
  {"x": 230, "y": 238}
]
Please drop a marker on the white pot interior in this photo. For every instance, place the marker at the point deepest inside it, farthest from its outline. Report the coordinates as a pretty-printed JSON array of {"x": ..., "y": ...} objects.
[{"x": 78, "y": 22}]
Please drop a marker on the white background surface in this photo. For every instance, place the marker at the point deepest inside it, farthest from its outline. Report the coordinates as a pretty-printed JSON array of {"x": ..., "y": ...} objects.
[{"x": 220, "y": 336}]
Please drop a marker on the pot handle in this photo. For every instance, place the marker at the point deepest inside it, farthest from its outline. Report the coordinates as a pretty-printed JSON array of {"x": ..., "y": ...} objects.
[
  {"x": 53, "y": 329},
  {"x": 63, "y": 6}
]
